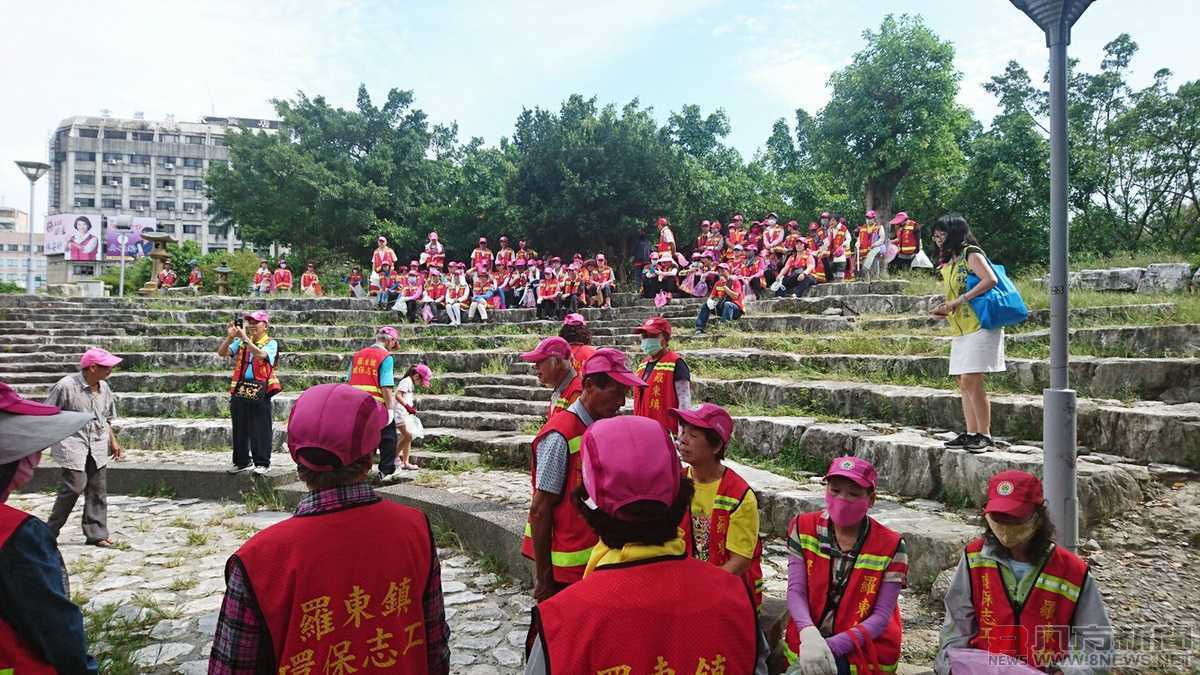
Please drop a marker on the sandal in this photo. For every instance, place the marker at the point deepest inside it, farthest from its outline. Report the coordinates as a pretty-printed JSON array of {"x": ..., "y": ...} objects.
[
  {"x": 101, "y": 543},
  {"x": 408, "y": 466}
]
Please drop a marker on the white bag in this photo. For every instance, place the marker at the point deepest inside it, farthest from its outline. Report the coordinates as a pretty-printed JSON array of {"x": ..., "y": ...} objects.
[
  {"x": 712, "y": 304},
  {"x": 921, "y": 261}
]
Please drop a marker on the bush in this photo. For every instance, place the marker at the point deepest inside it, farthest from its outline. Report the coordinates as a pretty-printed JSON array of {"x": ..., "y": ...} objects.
[
  {"x": 137, "y": 273},
  {"x": 10, "y": 287}
]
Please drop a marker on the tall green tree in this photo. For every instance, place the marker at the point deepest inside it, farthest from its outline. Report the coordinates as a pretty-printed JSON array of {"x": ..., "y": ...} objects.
[{"x": 892, "y": 111}]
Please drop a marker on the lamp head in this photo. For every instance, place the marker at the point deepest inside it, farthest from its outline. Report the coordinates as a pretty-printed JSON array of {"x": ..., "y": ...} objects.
[
  {"x": 33, "y": 170},
  {"x": 1054, "y": 17}
]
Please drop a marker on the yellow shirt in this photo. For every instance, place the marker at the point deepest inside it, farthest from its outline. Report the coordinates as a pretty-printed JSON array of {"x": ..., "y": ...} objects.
[
  {"x": 954, "y": 283},
  {"x": 742, "y": 537}
]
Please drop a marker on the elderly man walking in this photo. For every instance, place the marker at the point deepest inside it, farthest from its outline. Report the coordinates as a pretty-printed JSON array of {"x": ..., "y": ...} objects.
[
  {"x": 552, "y": 358},
  {"x": 83, "y": 456}
]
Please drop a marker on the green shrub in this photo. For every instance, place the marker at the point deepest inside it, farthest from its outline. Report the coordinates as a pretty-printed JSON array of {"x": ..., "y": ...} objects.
[{"x": 10, "y": 287}]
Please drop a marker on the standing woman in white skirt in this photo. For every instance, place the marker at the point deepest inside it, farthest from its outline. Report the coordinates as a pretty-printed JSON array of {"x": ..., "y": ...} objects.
[
  {"x": 973, "y": 351},
  {"x": 408, "y": 425}
]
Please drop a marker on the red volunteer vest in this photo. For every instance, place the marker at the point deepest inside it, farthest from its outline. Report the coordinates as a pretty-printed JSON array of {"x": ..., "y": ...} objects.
[
  {"x": 548, "y": 290},
  {"x": 650, "y": 618},
  {"x": 283, "y": 277},
  {"x": 730, "y": 493},
  {"x": 166, "y": 278},
  {"x": 194, "y": 278},
  {"x": 263, "y": 371},
  {"x": 481, "y": 255},
  {"x": 344, "y": 587},
  {"x": 571, "y": 539},
  {"x": 656, "y": 399},
  {"x": 859, "y": 597},
  {"x": 261, "y": 276},
  {"x": 364, "y": 370},
  {"x": 572, "y": 392},
  {"x": 909, "y": 240},
  {"x": 1037, "y": 631},
  {"x": 16, "y": 656},
  {"x": 579, "y": 354}
]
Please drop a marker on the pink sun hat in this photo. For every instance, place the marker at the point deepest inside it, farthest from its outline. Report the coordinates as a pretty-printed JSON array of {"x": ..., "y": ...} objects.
[
  {"x": 900, "y": 218},
  {"x": 258, "y": 315},
  {"x": 612, "y": 363},
  {"x": 549, "y": 347},
  {"x": 98, "y": 357},
  {"x": 423, "y": 373},
  {"x": 707, "y": 416},
  {"x": 574, "y": 319},
  {"x": 337, "y": 418},
  {"x": 628, "y": 459}
]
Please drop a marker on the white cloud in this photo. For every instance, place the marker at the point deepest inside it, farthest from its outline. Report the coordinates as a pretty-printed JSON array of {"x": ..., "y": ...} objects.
[{"x": 794, "y": 76}]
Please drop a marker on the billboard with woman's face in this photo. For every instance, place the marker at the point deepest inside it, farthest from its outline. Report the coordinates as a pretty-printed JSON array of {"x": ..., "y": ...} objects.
[
  {"x": 135, "y": 246},
  {"x": 76, "y": 236}
]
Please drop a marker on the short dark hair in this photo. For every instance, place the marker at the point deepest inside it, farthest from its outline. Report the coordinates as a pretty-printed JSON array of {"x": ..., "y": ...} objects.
[
  {"x": 351, "y": 473},
  {"x": 642, "y": 522},
  {"x": 601, "y": 380},
  {"x": 1039, "y": 544},
  {"x": 576, "y": 335}
]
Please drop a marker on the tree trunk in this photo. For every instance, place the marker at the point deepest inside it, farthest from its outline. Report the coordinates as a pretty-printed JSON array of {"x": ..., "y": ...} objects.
[{"x": 880, "y": 192}]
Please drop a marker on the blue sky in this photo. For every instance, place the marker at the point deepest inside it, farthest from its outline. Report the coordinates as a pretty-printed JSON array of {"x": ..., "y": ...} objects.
[{"x": 480, "y": 63}]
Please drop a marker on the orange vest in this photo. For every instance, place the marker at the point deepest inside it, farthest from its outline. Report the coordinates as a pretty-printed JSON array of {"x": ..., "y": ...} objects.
[
  {"x": 572, "y": 392},
  {"x": 547, "y": 290},
  {"x": 730, "y": 493},
  {"x": 1041, "y": 635},
  {"x": 481, "y": 255},
  {"x": 364, "y": 370},
  {"x": 571, "y": 538},
  {"x": 648, "y": 616},
  {"x": 283, "y": 277},
  {"x": 656, "y": 399},
  {"x": 858, "y": 600},
  {"x": 262, "y": 370},
  {"x": 908, "y": 238},
  {"x": 344, "y": 587},
  {"x": 579, "y": 354},
  {"x": 15, "y": 655}
]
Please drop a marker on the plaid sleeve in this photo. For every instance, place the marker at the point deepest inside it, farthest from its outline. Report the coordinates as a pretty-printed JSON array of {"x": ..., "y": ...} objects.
[
  {"x": 241, "y": 644},
  {"x": 897, "y": 569},
  {"x": 437, "y": 631}
]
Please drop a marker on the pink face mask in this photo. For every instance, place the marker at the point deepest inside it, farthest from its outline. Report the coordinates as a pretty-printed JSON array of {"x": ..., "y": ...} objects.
[
  {"x": 845, "y": 512},
  {"x": 23, "y": 475}
]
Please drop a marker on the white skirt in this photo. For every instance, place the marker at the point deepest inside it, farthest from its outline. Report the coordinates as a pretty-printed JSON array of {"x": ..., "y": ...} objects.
[{"x": 978, "y": 352}]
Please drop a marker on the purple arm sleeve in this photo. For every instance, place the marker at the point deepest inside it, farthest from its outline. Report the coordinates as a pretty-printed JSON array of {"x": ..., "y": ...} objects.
[
  {"x": 797, "y": 594},
  {"x": 885, "y": 604}
]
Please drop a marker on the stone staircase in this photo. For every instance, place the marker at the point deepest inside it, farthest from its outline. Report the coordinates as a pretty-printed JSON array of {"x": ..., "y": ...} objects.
[{"x": 856, "y": 368}]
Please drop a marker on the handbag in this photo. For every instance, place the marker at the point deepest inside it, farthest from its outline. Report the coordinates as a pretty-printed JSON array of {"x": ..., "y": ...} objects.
[{"x": 1002, "y": 305}]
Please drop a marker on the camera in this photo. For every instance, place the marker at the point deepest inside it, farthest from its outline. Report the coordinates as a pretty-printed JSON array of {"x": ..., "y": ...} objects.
[{"x": 237, "y": 321}]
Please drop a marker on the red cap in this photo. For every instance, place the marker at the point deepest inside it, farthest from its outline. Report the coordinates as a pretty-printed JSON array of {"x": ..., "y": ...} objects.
[
  {"x": 856, "y": 469},
  {"x": 707, "y": 416},
  {"x": 98, "y": 357},
  {"x": 655, "y": 325},
  {"x": 551, "y": 346},
  {"x": 1014, "y": 493},
  {"x": 612, "y": 363},
  {"x": 661, "y": 221},
  {"x": 628, "y": 459},
  {"x": 337, "y": 418}
]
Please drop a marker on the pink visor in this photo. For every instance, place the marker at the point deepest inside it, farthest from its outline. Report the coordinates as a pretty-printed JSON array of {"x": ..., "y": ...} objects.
[
  {"x": 628, "y": 459},
  {"x": 574, "y": 320},
  {"x": 856, "y": 469}
]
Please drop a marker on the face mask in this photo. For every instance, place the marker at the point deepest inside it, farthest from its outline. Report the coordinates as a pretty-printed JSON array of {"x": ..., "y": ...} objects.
[
  {"x": 845, "y": 512},
  {"x": 1015, "y": 534},
  {"x": 651, "y": 345},
  {"x": 23, "y": 475}
]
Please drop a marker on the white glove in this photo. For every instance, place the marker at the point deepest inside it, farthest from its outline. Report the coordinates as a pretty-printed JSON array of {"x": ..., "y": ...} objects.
[
  {"x": 814, "y": 657},
  {"x": 391, "y": 416}
]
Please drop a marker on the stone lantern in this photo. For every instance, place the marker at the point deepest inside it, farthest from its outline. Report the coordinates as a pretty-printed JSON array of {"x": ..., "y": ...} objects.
[
  {"x": 157, "y": 255},
  {"x": 223, "y": 279}
]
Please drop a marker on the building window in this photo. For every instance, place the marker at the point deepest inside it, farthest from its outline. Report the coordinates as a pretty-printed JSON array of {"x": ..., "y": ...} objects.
[
  {"x": 191, "y": 229},
  {"x": 168, "y": 138},
  {"x": 193, "y": 162},
  {"x": 218, "y": 140},
  {"x": 143, "y": 136},
  {"x": 88, "y": 132},
  {"x": 12, "y": 248},
  {"x": 192, "y": 207},
  {"x": 83, "y": 270},
  {"x": 139, "y": 204},
  {"x": 114, "y": 157},
  {"x": 113, "y": 133},
  {"x": 164, "y": 205},
  {"x": 144, "y": 160},
  {"x": 192, "y": 184},
  {"x": 85, "y": 156},
  {"x": 139, "y": 182},
  {"x": 85, "y": 202},
  {"x": 85, "y": 179},
  {"x": 166, "y": 161},
  {"x": 166, "y": 183},
  {"x": 110, "y": 203},
  {"x": 166, "y": 227},
  {"x": 112, "y": 181},
  {"x": 195, "y": 140}
]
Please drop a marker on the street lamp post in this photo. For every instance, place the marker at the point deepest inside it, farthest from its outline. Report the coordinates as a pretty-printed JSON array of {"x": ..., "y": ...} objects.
[
  {"x": 33, "y": 171},
  {"x": 1055, "y": 18}
]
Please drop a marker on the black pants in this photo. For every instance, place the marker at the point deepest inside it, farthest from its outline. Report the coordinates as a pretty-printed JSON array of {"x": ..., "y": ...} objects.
[
  {"x": 387, "y": 449},
  {"x": 548, "y": 308},
  {"x": 251, "y": 430},
  {"x": 569, "y": 304},
  {"x": 901, "y": 262},
  {"x": 794, "y": 286}
]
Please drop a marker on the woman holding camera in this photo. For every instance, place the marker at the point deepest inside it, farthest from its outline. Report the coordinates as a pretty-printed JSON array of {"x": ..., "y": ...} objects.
[{"x": 253, "y": 384}]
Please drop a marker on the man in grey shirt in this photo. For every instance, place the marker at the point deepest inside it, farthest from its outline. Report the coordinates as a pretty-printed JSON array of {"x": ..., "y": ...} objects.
[{"x": 83, "y": 456}]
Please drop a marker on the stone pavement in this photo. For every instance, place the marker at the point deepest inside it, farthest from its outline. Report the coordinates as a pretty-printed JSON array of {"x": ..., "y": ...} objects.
[{"x": 152, "y": 604}]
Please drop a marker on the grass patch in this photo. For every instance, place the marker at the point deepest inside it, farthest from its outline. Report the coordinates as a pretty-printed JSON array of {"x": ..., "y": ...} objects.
[
  {"x": 159, "y": 490},
  {"x": 183, "y": 584},
  {"x": 263, "y": 497},
  {"x": 497, "y": 365},
  {"x": 446, "y": 387},
  {"x": 791, "y": 462},
  {"x": 197, "y": 538},
  {"x": 438, "y": 444},
  {"x": 489, "y": 562},
  {"x": 89, "y": 570},
  {"x": 115, "y": 639},
  {"x": 182, "y": 522},
  {"x": 445, "y": 537}
]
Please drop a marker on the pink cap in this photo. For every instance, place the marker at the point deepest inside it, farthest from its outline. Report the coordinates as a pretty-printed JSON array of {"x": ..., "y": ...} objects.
[
  {"x": 574, "y": 319},
  {"x": 259, "y": 315},
  {"x": 424, "y": 373},
  {"x": 551, "y": 346},
  {"x": 856, "y": 469},
  {"x": 707, "y": 416},
  {"x": 13, "y": 403},
  {"x": 611, "y": 362},
  {"x": 871, "y": 213},
  {"x": 901, "y": 217},
  {"x": 433, "y": 236},
  {"x": 629, "y": 459},
  {"x": 98, "y": 357},
  {"x": 390, "y": 332},
  {"x": 337, "y": 418}
]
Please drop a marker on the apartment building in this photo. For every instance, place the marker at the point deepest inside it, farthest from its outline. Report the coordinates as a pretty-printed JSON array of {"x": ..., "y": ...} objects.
[{"x": 14, "y": 249}]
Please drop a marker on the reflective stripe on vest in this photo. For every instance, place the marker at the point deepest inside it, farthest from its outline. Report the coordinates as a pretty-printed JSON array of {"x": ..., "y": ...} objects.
[{"x": 571, "y": 539}]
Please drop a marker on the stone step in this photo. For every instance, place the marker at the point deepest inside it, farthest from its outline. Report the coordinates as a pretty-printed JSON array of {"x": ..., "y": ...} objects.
[
  {"x": 1037, "y": 317},
  {"x": 117, "y": 343},
  {"x": 1153, "y": 341}
]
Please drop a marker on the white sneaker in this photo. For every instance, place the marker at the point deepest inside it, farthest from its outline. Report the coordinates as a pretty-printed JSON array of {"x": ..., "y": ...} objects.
[
  {"x": 261, "y": 470},
  {"x": 235, "y": 469}
]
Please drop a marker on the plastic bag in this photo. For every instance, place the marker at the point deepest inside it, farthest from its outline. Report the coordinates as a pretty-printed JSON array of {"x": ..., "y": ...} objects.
[
  {"x": 921, "y": 261},
  {"x": 662, "y": 299}
]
